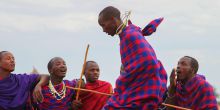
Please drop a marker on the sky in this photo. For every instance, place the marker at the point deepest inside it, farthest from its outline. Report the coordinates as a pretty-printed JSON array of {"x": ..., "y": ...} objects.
[{"x": 37, "y": 30}]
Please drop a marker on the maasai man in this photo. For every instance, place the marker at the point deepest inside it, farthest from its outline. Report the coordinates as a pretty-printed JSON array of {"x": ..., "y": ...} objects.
[
  {"x": 15, "y": 89},
  {"x": 56, "y": 96},
  {"x": 93, "y": 101},
  {"x": 190, "y": 90},
  {"x": 142, "y": 85}
]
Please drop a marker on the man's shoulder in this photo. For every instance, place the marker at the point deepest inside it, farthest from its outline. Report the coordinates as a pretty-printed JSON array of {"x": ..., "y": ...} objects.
[
  {"x": 104, "y": 82},
  {"x": 18, "y": 74},
  {"x": 132, "y": 30},
  {"x": 71, "y": 83},
  {"x": 24, "y": 75},
  {"x": 204, "y": 85}
]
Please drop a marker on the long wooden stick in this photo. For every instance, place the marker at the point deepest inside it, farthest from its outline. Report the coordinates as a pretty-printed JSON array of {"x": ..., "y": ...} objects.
[
  {"x": 173, "y": 106},
  {"x": 80, "y": 81},
  {"x": 87, "y": 90},
  {"x": 101, "y": 93},
  {"x": 83, "y": 69}
]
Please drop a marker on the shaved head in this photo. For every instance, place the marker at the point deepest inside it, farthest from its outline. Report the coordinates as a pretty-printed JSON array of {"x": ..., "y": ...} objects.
[
  {"x": 109, "y": 12},
  {"x": 51, "y": 62},
  {"x": 1, "y": 53}
]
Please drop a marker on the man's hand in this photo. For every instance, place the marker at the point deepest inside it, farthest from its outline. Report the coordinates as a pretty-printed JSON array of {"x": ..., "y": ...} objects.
[
  {"x": 37, "y": 94},
  {"x": 76, "y": 105},
  {"x": 173, "y": 79}
]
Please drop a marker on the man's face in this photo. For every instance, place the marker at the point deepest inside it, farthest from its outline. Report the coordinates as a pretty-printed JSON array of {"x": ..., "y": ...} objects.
[
  {"x": 92, "y": 72},
  {"x": 7, "y": 62},
  {"x": 58, "y": 68},
  {"x": 108, "y": 26},
  {"x": 184, "y": 69}
]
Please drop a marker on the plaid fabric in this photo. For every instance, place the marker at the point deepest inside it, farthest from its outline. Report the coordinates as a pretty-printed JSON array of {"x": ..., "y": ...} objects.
[
  {"x": 197, "y": 94},
  {"x": 151, "y": 27},
  {"x": 51, "y": 103},
  {"x": 143, "y": 84},
  {"x": 163, "y": 78}
]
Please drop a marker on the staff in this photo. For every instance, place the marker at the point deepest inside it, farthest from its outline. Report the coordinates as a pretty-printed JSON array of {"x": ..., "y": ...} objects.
[
  {"x": 83, "y": 69},
  {"x": 168, "y": 105}
]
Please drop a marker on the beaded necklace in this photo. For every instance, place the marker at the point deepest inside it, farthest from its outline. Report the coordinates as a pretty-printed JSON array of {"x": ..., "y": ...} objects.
[
  {"x": 58, "y": 95},
  {"x": 125, "y": 19}
]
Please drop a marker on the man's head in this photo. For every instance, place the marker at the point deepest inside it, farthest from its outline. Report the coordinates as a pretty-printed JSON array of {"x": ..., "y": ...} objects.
[
  {"x": 92, "y": 71},
  {"x": 109, "y": 19},
  {"x": 57, "y": 67},
  {"x": 7, "y": 61},
  {"x": 187, "y": 68}
]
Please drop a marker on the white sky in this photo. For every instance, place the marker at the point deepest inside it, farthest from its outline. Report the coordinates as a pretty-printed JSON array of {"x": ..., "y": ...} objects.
[{"x": 37, "y": 30}]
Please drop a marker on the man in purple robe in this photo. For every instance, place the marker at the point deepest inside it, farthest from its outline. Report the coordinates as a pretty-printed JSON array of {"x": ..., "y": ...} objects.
[{"x": 15, "y": 89}]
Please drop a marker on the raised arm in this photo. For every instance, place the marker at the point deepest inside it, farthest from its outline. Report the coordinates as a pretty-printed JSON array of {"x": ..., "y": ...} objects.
[
  {"x": 37, "y": 93},
  {"x": 171, "y": 98}
]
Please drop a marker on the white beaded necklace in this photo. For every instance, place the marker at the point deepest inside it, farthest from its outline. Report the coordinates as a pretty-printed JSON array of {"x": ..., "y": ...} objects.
[
  {"x": 58, "y": 95},
  {"x": 125, "y": 21}
]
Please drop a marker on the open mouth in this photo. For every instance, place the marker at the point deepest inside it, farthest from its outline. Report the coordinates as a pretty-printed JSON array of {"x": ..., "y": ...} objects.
[
  {"x": 179, "y": 74},
  {"x": 63, "y": 71},
  {"x": 95, "y": 77},
  {"x": 178, "y": 71},
  {"x": 12, "y": 65}
]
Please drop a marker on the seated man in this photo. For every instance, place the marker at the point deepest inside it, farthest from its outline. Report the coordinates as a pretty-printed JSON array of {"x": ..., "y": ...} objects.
[
  {"x": 56, "y": 95},
  {"x": 190, "y": 90},
  {"x": 93, "y": 101},
  {"x": 15, "y": 89}
]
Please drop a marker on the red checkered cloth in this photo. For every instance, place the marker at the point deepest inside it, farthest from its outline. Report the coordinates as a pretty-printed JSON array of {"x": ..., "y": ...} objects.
[{"x": 151, "y": 27}]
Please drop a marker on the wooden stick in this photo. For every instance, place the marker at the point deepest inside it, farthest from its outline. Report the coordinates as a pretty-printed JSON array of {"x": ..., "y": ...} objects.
[
  {"x": 101, "y": 93},
  {"x": 173, "y": 106},
  {"x": 80, "y": 81},
  {"x": 87, "y": 90},
  {"x": 83, "y": 69}
]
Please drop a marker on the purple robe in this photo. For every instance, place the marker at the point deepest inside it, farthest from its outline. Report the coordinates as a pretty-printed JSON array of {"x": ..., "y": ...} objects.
[{"x": 15, "y": 90}]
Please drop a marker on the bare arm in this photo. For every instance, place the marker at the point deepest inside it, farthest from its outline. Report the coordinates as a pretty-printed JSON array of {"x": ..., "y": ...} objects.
[{"x": 37, "y": 93}]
